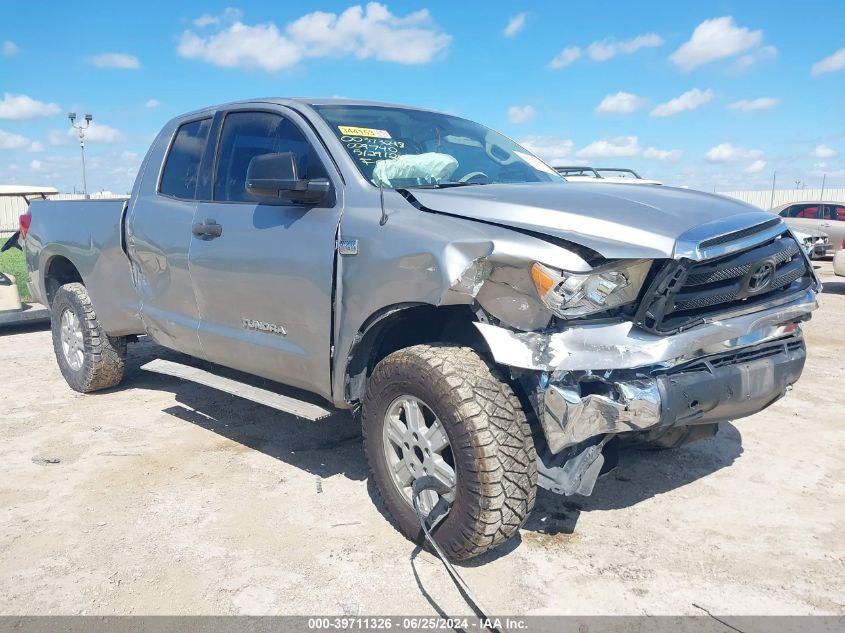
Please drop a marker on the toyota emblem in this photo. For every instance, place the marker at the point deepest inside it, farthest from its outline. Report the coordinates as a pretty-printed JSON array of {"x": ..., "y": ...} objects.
[{"x": 761, "y": 277}]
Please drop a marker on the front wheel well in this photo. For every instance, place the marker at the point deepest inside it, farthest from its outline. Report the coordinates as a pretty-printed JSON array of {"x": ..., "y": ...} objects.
[
  {"x": 60, "y": 271},
  {"x": 404, "y": 326}
]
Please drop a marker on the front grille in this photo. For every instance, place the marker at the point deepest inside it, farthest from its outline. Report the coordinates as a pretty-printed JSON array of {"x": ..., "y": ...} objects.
[{"x": 687, "y": 292}]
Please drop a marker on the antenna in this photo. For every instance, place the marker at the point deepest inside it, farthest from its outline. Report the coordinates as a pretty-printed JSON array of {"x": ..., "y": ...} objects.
[{"x": 383, "y": 219}]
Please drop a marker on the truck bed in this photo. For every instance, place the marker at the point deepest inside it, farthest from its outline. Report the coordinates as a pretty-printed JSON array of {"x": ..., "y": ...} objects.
[{"x": 89, "y": 235}]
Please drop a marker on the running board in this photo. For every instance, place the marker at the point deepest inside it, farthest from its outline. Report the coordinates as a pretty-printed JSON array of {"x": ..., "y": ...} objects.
[{"x": 293, "y": 406}]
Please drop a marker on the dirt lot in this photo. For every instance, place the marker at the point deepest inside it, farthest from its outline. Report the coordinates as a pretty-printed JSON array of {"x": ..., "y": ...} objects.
[{"x": 172, "y": 498}]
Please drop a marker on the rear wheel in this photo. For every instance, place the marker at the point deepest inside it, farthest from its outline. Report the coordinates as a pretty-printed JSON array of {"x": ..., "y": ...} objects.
[
  {"x": 442, "y": 411},
  {"x": 88, "y": 358}
]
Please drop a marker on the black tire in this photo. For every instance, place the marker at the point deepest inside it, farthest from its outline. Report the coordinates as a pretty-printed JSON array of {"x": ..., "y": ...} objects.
[
  {"x": 491, "y": 444},
  {"x": 103, "y": 357}
]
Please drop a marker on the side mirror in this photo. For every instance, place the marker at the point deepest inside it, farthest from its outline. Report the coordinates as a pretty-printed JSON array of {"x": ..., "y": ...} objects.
[{"x": 274, "y": 176}]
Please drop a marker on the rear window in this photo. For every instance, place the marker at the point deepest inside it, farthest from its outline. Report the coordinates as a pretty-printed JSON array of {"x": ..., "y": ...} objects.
[{"x": 181, "y": 168}]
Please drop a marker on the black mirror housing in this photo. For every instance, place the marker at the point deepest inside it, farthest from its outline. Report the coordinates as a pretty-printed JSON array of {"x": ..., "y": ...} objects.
[{"x": 274, "y": 176}]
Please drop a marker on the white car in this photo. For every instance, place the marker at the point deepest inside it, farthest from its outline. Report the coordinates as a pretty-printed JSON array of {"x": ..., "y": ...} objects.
[
  {"x": 604, "y": 174},
  {"x": 814, "y": 243}
]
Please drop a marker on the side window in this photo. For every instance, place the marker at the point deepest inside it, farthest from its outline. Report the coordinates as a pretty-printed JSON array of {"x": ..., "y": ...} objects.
[
  {"x": 250, "y": 134},
  {"x": 181, "y": 167},
  {"x": 805, "y": 211},
  {"x": 838, "y": 214}
]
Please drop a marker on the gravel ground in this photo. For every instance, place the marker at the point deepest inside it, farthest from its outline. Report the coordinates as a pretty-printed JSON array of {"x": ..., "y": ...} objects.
[{"x": 171, "y": 498}]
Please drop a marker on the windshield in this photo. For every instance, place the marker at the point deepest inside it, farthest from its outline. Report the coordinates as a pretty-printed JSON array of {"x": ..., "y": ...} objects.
[{"x": 402, "y": 147}]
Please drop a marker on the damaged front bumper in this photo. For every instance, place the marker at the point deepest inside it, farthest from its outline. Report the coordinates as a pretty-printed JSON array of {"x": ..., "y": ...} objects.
[
  {"x": 711, "y": 389},
  {"x": 595, "y": 380}
]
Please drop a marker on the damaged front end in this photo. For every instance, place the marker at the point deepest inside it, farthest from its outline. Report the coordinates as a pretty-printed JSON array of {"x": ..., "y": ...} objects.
[{"x": 709, "y": 336}]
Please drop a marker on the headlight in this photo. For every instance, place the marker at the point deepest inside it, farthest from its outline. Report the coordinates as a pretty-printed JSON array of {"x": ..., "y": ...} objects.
[{"x": 576, "y": 294}]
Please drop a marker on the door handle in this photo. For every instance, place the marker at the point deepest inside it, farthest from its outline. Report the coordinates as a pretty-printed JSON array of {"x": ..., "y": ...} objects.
[{"x": 207, "y": 230}]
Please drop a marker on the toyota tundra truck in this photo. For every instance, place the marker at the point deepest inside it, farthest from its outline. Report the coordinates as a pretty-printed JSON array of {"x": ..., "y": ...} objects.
[{"x": 491, "y": 326}]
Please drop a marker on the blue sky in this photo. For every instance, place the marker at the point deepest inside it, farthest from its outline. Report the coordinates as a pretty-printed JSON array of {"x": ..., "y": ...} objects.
[{"x": 713, "y": 95}]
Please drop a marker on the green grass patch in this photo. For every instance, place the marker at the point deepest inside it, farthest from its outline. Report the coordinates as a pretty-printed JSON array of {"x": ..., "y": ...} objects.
[{"x": 12, "y": 262}]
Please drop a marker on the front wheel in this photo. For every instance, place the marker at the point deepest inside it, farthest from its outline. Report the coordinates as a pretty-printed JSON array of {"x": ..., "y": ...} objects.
[
  {"x": 88, "y": 358},
  {"x": 442, "y": 411}
]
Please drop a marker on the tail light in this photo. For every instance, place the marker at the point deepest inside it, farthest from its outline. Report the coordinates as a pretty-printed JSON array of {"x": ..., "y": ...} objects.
[{"x": 24, "y": 221}]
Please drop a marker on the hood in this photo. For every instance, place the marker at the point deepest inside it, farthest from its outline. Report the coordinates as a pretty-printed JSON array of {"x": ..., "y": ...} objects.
[{"x": 615, "y": 220}]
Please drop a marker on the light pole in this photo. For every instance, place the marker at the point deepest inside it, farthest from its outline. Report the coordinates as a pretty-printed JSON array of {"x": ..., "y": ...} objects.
[{"x": 81, "y": 128}]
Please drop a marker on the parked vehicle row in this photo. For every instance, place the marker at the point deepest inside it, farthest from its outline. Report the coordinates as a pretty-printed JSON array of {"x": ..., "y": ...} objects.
[{"x": 618, "y": 175}]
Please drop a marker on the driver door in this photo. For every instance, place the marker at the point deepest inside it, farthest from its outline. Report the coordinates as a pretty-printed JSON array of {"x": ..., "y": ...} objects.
[{"x": 264, "y": 284}]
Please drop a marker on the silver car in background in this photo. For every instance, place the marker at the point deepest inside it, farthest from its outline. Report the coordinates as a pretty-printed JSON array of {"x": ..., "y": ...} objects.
[{"x": 815, "y": 217}]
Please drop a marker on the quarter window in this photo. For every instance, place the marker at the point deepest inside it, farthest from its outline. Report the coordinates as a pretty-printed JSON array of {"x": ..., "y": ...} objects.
[
  {"x": 181, "y": 168},
  {"x": 250, "y": 134}
]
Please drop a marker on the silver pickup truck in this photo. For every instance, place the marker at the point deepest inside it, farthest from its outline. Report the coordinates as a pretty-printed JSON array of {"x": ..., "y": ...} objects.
[{"x": 492, "y": 326}]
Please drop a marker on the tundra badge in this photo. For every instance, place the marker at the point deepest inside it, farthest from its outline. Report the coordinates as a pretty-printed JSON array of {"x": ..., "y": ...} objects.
[{"x": 261, "y": 326}]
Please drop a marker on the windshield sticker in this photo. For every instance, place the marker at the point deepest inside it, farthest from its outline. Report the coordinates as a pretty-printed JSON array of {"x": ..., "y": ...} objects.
[
  {"x": 535, "y": 162},
  {"x": 363, "y": 131},
  {"x": 368, "y": 150}
]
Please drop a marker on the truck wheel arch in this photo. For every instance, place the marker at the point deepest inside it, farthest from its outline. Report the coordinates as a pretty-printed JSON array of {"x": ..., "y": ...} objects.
[
  {"x": 58, "y": 271},
  {"x": 404, "y": 325}
]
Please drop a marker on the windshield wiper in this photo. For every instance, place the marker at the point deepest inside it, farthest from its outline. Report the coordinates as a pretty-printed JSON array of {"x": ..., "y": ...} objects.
[{"x": 445, "y": 185}]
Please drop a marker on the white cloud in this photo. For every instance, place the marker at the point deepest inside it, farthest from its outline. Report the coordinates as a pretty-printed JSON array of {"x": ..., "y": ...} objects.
[
  {"x": 652, "y": 153},
  {"x": 714, "y": 39},
  {"x": 10, "y": 49},
  {"x": 552, "y": 149},
  {"x": 99, "y": 133},
  {"x": 123, "y": 61},
  {"x": 620, "y": 103},
  {"x": 756, "y": 167},
  {"x": 9, "y": 140},
  {"x": 520, "y": 114},
  {"x": 608, "y": 48},
  {"x": 728, "y": 153},
  {"x": 57, "y": 137},
  {"x": 690, "y": 100},
  {"x": 152, "y": 103},
  {"x": 749, "y": 105},
  {"x": 372, "y": 32},
  {"x": 757, "y": 55},
  {"x": 19, "y": 107},
  {"x": 36, "y": 166},
  {"x": 829, "y": 64},
  {"x": 619, "y": 146},
  {"x": 565, "y": 57},
  {"x": 823, "y": 151},
  {"x": 602, "y": 50},
  {"x": 206, "y": 20},
  {"x": 515, "y": 25},
  {"x": 229, "y": 15}
]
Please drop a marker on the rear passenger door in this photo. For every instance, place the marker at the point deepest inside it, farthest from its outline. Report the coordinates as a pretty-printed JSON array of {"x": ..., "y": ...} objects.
[
  {"x": 264, "y": 286},
  {"x": 158, "y": 233}
]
